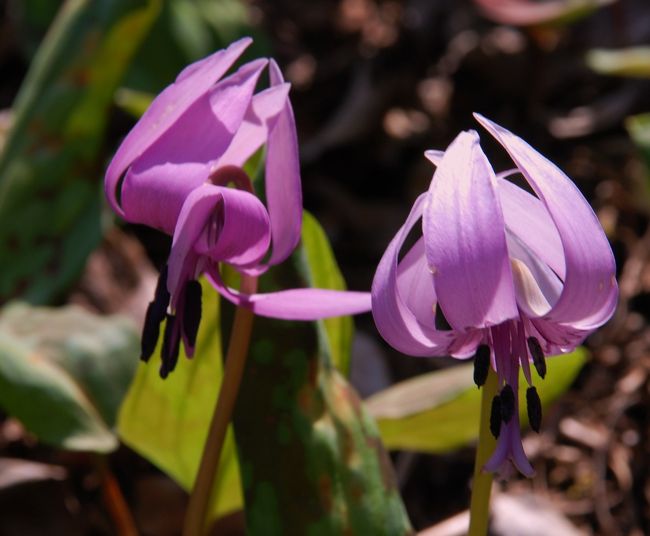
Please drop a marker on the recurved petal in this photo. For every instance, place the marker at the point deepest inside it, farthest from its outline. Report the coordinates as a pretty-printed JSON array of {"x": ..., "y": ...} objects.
[
  {"x": 283, "y": 190},
  {"x": 206, "y": 129},
  {"x": 154, "y": 196},
  {"x": 526, "y": 218},
  {"x": 254, "y": 130},
  {"x": 166, "y": 108},
  {"x": 590, "y": 291},
  {"x": 396, "y": 322},
  {"x": 295, "y": 304},
  {"x": 222, "y": 223},
  {"x": 465, "y": 242}
]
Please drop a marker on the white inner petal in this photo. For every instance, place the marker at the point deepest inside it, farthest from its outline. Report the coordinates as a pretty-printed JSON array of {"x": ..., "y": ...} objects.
[{"x": 530, "y": 298}]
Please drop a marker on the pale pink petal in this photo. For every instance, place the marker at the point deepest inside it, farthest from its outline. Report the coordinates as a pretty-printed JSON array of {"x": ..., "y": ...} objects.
[
  {"x": 254, "y": 130},
  {"x": 527, "y": 219},
  {"x": 590, "y": 290},
  {"x": 465, "y": 239},
  {"x": 296, "y": 304},
  {"x": 397, "y": 324},
  {"x": 282, "y": 179}
]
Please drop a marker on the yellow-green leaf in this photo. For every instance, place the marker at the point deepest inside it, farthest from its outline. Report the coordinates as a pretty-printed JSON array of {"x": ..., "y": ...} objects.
[
  {"x": 631, "y": 62},
  {"x": 439, "y": 412},
  {"x": 167, "y": 421}
]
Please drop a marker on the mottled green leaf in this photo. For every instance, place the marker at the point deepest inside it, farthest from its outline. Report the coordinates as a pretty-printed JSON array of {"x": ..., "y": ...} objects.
[
  {"x": 64, "y": 372},
  {"x": 312, "y": 461},
  {"x": 50, "y": 170},
  {"x": 167, "y": 421},
  {"x": 631, "y": 62},
  {"x": 439, "y": 411},
  {"x": 317, "y": 265}
]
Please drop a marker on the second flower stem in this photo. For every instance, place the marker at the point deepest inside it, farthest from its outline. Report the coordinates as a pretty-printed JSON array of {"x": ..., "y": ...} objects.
[
  {"x": 233, "y": 371},
  {"x": 482, "y": 481}
]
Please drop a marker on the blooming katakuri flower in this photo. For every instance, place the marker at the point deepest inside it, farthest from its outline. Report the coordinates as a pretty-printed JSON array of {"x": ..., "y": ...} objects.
[
  {"x": 501, "y": 274},
  {"x": 180, "y": 170}
]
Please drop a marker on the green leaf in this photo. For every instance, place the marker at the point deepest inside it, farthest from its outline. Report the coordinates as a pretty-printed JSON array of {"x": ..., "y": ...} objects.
[
  {"x": 186, "y": 31},
  {"x": 316, "y": 263},
  {"x": 439, "y": 412},
  {"x": 167, "y": 421},
  {"x": 638, "y": 126},
  {"x": 631, "y": 62},
  {"x": 50, "y": 166},
  {"x": 311, "y": 458},
  {"x": 64, "y": 372},
  {"x": 133, "y": 102}
]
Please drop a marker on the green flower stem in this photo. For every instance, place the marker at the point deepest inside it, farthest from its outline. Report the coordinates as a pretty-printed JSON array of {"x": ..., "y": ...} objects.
[
  {"x": 482, "y": 482},
  {"x": 234, "y": 368}
]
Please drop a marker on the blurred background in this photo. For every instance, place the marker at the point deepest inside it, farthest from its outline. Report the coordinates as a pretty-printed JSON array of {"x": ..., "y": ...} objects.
[{"x": 375, "y": 83}]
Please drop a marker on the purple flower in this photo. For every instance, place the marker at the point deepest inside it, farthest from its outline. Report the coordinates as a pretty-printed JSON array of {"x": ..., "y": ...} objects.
[
  {"x": 180, "y": 170},
  {"x": 500, "y": 274}
]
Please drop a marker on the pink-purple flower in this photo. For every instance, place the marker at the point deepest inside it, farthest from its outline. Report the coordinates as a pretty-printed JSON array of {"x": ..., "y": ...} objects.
[
  {"x": 500, "y": 273},
  {"x": 181, "y": 170}
]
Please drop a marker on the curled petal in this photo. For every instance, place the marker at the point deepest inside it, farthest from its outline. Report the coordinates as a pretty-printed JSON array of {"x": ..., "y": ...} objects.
[
  {"x": 433, "y": 156},
  {"x": 221, "y": 223},
  {"x": 207, "y": 127},
  {"x": 154, "y": 196},
  {"x": 283, "y": 191},
  {"x": 164, "y": 111},
  {"x": 590, "y": 291},
  {"x": 399, "y": 325},
  {"x": 254, "y": 130},
  {"x": 415, "y": 284},
  {"x": 526, "y": 218},
  {"x": 296, "y": 304},
  {"x": 465, "y": 239}
]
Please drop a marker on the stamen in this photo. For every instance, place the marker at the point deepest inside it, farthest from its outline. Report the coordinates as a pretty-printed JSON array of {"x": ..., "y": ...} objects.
[
  {"x": 495, "y": 417},
  {"x": 440, "y": 321},
  {"x": 507, "y": 403},
  {"x": 156, "y": 312},
  {"x": 534, "y": 408},
  {"x": 161, "y": 297},
  {"x": 481, "y": 364},
  {"x": 192, "y": 310},
  {"x": 537, "y": 354},
  {"x": 150, "y": 332},
  {"x": 170, "y": 348}
]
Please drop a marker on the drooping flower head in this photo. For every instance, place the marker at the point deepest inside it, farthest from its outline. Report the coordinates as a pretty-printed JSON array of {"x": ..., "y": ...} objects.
[
  {"x": 499, "y": 273},
  {"x": 180, "y": 170}
]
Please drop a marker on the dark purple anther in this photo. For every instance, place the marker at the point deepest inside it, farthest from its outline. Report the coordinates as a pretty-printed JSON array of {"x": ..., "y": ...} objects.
[
  {"x": 481, "y": 364},
  {"x": 507, "y": 403},
  {"x": 496, "y": 417},
  {"x": 534, "y": 409},
  {"x": 192, "y": 310},
  {"x": 538, "y": 356}
]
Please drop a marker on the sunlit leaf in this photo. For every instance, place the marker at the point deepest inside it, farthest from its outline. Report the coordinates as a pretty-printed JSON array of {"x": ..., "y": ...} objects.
[
  {"x": 439, "y": 412},
  {"x": 631, "y": 62},
  {"x": 64, "y": 372},
  {"x": 133, "y": 102},
  {"x": 167, "y": 421}
]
